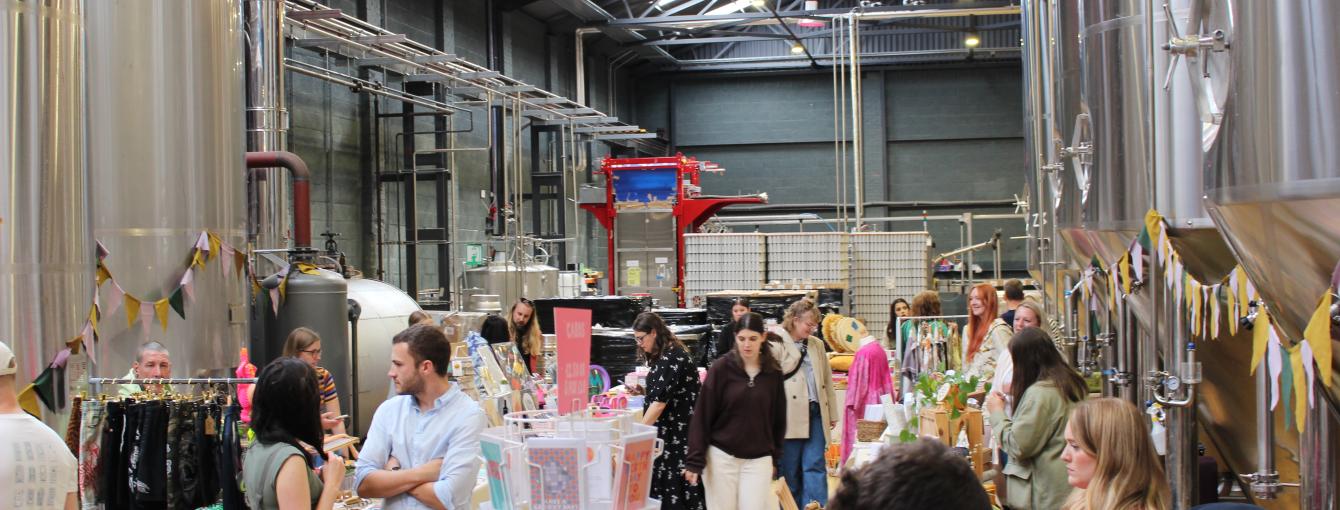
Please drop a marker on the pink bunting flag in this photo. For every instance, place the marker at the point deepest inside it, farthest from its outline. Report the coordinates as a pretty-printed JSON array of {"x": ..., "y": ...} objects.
[
  {"x": 1276, "y": 366},
  {"x": 115, "y": 296},
  {"x": 146, "y": 318},
  {"x": 228, "y": 254},
  {"x": 202, "y": 242},
  {"x": 188, "y": 282},
  {"x": 90, "y": 343},
  {"x": 1138, "y": 260},
  {"x": 1305, "y": 349},
  {"x": 274, "y": 300}
]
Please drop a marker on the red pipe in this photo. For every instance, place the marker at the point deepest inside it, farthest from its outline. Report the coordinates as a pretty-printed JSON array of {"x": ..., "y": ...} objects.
[{"x": 302, "y": 190}]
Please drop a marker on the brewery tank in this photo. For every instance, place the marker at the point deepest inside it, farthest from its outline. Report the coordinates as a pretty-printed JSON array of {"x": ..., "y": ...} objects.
[
  {"x": 46, "y": 249},
  {"x": 165, "y": 153},
  {"x": 316, "y": 299},
  {"x": 384, "y": 311}
]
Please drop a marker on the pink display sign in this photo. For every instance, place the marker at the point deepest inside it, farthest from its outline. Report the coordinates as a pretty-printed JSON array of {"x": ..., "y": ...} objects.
[{"x": 573, "y": 327}]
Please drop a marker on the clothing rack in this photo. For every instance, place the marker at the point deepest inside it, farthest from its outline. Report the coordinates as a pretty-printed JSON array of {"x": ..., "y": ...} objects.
[{"x": 172, "y": 380}]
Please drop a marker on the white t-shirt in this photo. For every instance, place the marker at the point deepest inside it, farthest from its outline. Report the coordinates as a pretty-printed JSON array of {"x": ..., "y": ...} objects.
[{"x": 37, "y": 470}]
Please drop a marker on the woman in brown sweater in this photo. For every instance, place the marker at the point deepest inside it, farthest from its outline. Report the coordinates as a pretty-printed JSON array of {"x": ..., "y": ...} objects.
[{"x": 739, "y": 423}]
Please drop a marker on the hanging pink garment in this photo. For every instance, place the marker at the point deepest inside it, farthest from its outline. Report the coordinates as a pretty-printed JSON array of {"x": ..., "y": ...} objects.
[{"x": 867, "y": 380}]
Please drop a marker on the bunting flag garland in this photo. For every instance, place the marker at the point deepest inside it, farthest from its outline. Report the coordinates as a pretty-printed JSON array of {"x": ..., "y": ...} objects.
[
  {"x": 1203, "y": 305},
  {"x": 176, "y": 302}
]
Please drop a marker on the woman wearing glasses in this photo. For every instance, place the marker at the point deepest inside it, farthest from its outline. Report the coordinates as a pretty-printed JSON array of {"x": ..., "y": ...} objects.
[
  {"x": 672, "y": 390},
  {"x": 305, "y": 345},
  {"x": 811, "y": 405}
]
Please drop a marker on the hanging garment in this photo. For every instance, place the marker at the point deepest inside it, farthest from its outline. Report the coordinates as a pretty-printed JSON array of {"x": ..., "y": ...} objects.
[
  {"x": 230, "y": 460},
  {"x": 91, "y": 423},
  {"x": 148, "y": 478},
  {"x": 867, "y": 380}
]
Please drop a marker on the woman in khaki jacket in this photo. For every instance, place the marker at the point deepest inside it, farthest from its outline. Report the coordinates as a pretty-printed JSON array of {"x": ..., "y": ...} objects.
[
  {"x": 1044, "y": 390},
  {"x": 811, "y": 406}
]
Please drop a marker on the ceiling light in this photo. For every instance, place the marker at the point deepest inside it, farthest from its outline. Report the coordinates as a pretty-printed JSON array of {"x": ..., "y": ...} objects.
[
  {"x": 733, "y": 7},
  {"x": 811, "y": 5},
  {"x": 797, "y": 48},
  {"x": 760, "y": 3},
  {"x": 972, "y": 40}
]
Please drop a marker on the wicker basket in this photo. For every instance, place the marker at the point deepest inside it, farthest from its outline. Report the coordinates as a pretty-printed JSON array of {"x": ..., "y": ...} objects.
[{"x": 869, "y": 431}]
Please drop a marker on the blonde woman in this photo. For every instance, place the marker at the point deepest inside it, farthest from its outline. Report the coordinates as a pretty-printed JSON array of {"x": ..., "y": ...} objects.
[
  {"x": 1110, "y": 459},
  {"x": 812, "y": 406},
  {"x": 525, "y": 333}
]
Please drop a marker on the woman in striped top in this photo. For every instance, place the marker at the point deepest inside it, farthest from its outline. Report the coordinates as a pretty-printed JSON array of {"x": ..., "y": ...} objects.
[{"x": 305, "y": 344}]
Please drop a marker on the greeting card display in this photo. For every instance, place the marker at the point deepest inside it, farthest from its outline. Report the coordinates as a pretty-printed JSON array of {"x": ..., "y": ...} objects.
[
  {"x": 555, "y": 473},
  {"x": 633, "y": 480}
]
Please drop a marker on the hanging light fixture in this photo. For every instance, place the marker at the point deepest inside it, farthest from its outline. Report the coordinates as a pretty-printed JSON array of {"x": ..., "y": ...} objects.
[
  {"x": 972, "y": 40},
  {"x": 811, "y": 5},
  {"x": 797, "y": 48}
]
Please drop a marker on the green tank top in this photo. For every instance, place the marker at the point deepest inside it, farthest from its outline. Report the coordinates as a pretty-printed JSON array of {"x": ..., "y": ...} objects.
[{"x": 260, "y": 469}]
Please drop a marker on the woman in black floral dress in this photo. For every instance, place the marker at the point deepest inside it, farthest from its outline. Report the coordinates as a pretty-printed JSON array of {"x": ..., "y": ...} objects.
[{"x": 672, "y": 390}]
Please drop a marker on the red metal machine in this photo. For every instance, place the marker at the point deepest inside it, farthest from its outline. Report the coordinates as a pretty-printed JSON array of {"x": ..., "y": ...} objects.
[{"x": 649, "y": 204}]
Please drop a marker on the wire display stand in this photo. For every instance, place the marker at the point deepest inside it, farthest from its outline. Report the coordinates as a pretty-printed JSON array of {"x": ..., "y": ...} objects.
[
  {"x": 594, "y": 459},
  {"x": 98, "y": 381}
]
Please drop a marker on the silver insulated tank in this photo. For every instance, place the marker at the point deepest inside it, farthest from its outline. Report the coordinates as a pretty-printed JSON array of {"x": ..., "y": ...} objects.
[
  {"x": 318, "y": 302},
  {"x": 165, "y": 149},
  {"x": 46, "y": 251}
]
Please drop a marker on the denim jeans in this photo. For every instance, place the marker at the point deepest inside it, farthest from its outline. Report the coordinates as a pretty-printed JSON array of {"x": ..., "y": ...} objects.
[{"x": 803, "y": 463}]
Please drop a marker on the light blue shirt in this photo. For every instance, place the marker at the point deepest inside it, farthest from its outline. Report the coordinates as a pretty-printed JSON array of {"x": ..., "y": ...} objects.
[{"x": 449, "y": 431}]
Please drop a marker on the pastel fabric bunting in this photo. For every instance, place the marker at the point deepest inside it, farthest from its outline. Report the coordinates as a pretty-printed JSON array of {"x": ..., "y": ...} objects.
[
  {"x": 161, "y": 308},
  {"x": 1318, "y": 334},
  {"x": 115, "y": 297},
  {"x": 176, "y": 301},
  {"x": 1276, "y": 364},
  {"x": 188, "y": 284},
  {"x": 132, "y": 310}
]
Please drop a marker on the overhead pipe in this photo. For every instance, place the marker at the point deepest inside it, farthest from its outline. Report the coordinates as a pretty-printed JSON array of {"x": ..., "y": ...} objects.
[{"x": 302, "y": 189}]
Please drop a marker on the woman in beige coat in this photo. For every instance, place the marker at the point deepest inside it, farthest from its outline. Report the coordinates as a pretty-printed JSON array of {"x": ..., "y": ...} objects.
[
  {"x": 811, "y": 406},
  {"x": 1044, "y": 390}
]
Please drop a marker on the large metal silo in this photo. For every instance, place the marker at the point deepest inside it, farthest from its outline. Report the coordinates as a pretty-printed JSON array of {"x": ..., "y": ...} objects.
[
  {"x": 165, "y": 141},
  {"x": 46, "y": 251},
  {"x": 1271, "y": 112}
]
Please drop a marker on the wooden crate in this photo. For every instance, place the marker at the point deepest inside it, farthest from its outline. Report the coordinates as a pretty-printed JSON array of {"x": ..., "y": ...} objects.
[{"x": 936, "y": 422}]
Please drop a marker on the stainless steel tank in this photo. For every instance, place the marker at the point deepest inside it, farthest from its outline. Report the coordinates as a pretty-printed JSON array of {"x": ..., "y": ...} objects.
[
  {"x": 165, "y": 151},
  {"x": 510, "y": 280},
  {"x": 384, "y": 312},
  {"x": 1272, "y": 177},
  {"x": 46, "y": 249},
  {"x": 318, "y": 302}
]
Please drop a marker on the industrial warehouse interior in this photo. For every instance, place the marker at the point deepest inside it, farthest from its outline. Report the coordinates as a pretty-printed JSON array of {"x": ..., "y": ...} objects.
[{"x": 669, "y": 254}]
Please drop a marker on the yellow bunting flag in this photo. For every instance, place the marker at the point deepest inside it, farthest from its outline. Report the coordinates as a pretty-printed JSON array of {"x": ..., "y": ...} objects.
[
  {"x": 197, "y": 259},
  {"x": 1153, "y": 223},
  {"x": 161, "y": 308},
  {"x": 1125, "y": 264},
  {"x": 215, "y": 245},
  {"x": 93, "y": 318},
  {"x": 1231, "y": 302},
  {"x": 1260, "y": 337},
  {"x": 1300, "y": 386},
  {"x": 28, "y": 401},
  {"x": 103, "y": 274},
  {"x": 308, "y": 269},
  {"x": 1318, "y": 334},
  {"x": 239, "y": 261},
  {"x": 132, "y": 307}
]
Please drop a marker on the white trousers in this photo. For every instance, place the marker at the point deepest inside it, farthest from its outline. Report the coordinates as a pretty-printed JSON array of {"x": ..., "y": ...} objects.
[{"x": 738, "y": 484}]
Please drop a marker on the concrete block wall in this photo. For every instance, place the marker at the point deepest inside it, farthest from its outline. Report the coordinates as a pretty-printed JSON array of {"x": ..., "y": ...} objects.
[
  {"x": 335, "y": 131},
  {"x": 946, "y": 140}
]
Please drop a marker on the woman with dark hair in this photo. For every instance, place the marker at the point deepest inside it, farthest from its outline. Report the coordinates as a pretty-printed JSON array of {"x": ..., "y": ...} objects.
[
  {"x": 898, "y": 308},
  {"x": 739, "y": 423},
  {"x": 672, "y": 389},
  {"x": 524, "y": 331},
  {"x": 495, "y": 329},
  {"x": 1044, "y": 390},
  {"x": 726, "y": 337},
  {"x": 286, "y": 417}
]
